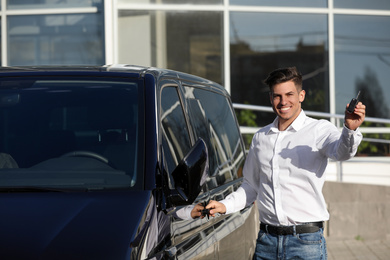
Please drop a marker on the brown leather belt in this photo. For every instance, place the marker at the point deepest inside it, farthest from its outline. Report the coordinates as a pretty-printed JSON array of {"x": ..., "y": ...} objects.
[{"x": 289, "y": 230}]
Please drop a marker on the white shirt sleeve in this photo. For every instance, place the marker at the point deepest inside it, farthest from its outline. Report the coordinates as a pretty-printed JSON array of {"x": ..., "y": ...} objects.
[
  {"x": 235, "y": 201},
  {"x": 247, "y": 193},
  {"x": 184, "y": 212},
  {"x": 340, "y": 148}
]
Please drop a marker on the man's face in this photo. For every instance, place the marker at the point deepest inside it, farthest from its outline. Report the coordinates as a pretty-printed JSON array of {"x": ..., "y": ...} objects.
[{"x": 286, "y": 102}]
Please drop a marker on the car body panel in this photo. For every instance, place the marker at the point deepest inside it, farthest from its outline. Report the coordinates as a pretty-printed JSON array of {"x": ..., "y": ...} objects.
[
  {"x": 57, "y": 221},
  {"x": 47, "y": 225}
]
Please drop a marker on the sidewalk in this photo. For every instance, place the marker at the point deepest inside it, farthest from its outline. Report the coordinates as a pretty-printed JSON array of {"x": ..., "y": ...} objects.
[{"x": 357, "y": 249}]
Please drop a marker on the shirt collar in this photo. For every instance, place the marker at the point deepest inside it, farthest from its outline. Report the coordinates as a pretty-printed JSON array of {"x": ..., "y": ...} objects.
[{"x": 295, "y": 126}]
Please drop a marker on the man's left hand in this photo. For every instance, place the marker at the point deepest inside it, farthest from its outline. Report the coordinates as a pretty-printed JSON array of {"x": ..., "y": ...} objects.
[{"x": 355, "y": 119}]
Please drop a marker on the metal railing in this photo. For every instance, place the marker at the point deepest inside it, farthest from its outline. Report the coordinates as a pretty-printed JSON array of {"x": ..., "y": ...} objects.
[{"x": 337, "y": 119}]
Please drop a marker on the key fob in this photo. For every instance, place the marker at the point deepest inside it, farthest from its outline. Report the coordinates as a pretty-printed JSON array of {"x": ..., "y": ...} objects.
[
  {"x": 353, "y": 104},
  {"x": 206, "y": 212}
]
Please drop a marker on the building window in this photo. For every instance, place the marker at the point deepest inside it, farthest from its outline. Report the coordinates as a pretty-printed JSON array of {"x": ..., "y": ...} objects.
[
  {"x": 191, "y": 2},
  {"x": 257, "y": 48},
  {"x": 185, "y": 41},
  {"x": 295, "y": 3},
  {"x": 55, "y": 39},
  {"x": 362, "y": 4},
  {"x": 53, "y": 32},
  {"x": 362, "y": 62},
  {"x": 44, "y": 4}
]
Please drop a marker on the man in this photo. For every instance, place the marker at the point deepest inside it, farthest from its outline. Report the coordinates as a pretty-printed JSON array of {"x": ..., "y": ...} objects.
[{"x": 284, "y": 172}]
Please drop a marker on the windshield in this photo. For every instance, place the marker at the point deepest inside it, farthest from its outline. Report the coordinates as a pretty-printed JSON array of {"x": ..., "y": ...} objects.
[{"x": 62, "y": 133}]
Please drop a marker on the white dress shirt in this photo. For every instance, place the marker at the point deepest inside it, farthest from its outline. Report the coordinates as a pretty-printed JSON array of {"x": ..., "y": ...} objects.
[{"x": 284, "y": 170}]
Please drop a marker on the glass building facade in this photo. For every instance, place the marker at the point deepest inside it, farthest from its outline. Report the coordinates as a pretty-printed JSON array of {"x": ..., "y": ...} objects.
[{"x": 340, "y": 46}]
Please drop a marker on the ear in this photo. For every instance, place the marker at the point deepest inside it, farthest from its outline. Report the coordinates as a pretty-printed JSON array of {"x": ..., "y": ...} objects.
[
  {"x": 302, "y": 96},
  {"x": 271, "y": 97}
]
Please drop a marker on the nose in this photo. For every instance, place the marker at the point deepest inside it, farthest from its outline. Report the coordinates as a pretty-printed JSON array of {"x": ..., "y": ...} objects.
[{"x": 283, "y": 100}]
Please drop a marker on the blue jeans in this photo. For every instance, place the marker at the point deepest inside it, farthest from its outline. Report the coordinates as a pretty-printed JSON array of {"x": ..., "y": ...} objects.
[{"x": 307, "y": 246}]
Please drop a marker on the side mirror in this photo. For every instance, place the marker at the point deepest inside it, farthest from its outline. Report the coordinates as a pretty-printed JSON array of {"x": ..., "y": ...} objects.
[{"x": 189, "y": 176}]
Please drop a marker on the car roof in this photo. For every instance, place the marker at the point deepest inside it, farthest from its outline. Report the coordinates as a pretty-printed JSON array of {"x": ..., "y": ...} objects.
[{"x": 117, "y": 69}]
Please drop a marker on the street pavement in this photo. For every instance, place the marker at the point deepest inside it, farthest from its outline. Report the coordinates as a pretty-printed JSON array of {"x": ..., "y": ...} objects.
[{"x": 358, "y": 249}]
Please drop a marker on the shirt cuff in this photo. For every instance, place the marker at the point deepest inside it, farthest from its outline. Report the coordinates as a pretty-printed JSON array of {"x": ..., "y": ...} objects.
[
  {"x": 185, "y": 212},
  {"x": 350, "y": 130}
]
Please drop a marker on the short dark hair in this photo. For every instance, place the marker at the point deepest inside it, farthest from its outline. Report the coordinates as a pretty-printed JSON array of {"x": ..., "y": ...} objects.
[{"x": 283, "y": 75}]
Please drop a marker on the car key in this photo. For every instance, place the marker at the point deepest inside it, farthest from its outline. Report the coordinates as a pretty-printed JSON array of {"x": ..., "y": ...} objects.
[
  {"x": 353, "y": 104},
  {"x": 205, "y": 212}
]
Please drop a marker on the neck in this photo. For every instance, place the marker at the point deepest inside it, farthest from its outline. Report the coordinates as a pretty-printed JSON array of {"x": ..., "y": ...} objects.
[{"x": 283, "y": 125}]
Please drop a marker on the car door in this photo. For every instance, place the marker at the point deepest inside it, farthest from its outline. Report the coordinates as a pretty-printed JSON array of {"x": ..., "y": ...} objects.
[
  {"x": 186, "y": 239},
  {"x": 216, "y": 123}
]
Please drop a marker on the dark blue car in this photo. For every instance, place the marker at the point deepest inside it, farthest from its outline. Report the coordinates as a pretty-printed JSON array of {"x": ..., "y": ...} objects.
[{"x": 95, "y": 163}]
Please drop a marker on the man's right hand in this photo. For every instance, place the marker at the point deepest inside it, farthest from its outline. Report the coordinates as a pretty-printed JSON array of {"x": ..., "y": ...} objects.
[{"x": 216, "y": 207}]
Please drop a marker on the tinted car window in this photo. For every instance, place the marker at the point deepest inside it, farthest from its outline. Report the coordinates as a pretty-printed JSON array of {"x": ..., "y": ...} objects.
[
  {"x": 214, "y": 121},
  {"x": 69, "y": 133},
  {"x": 176, "y": 140}
]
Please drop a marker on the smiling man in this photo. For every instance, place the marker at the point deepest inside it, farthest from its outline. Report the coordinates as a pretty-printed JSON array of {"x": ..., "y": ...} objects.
[
  {"x": 286, "y": 98},
  {"x": 284, "y": 172}
]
